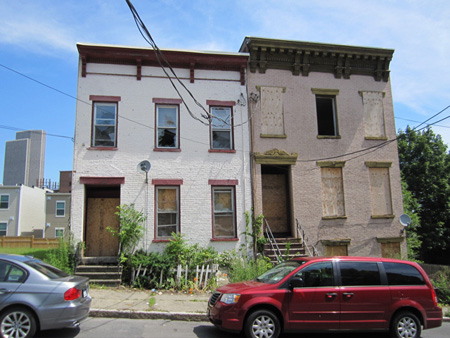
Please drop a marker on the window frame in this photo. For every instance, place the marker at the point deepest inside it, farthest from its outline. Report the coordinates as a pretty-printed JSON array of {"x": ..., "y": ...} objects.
[
  {"x": 162, "y": 104},
  {"x": 232, "y": 189},
  {"x": 2, "y": 202},
  {"x": 159, "y": 187},
  {"x": 330, "y": 94},
  {"x": 107, "y": 101},
  {"x": 6, "y": 228},
  {"x": 216, "y": 104},
  {"x": 59, "y": 229},
  {"x": 56, "y": 209}
]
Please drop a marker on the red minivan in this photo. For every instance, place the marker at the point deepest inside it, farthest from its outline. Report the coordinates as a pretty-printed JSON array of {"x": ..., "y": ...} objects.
[{"x": 330, "y": 294}]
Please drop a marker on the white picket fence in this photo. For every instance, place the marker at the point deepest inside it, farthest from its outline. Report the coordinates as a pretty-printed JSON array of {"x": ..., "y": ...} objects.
[{"x": 202, "y": 275}]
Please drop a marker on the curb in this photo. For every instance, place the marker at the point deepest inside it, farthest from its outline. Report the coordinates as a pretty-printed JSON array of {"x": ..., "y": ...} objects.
[
  {"x": 179, "y": 316},
  {"x": 129, "y": 314}
]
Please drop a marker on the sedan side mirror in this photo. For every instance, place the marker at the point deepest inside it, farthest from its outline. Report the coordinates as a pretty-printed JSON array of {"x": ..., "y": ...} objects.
[{"x": 296, "y": 282}]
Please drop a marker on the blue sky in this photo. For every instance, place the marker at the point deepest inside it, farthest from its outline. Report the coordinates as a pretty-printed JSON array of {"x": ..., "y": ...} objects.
[{"x": 38, "y": 39}]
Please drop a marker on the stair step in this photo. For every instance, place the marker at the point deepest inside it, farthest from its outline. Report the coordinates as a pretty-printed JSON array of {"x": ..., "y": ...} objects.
[
  {"x": 97, "y": 268},
  {"x": 106, "y": 282},
  {"x": 100, "y": 275}
]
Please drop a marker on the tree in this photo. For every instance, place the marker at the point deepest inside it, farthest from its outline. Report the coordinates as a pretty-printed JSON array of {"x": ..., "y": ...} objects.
[
  {"x": 130, "y": 229},
  {"x": 425, "y": 164}
]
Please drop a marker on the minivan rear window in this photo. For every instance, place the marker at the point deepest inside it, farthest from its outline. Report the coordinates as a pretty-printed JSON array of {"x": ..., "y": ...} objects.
[
  {"x": 359, "y": 273},
  {"x": 403, "y": 274}
]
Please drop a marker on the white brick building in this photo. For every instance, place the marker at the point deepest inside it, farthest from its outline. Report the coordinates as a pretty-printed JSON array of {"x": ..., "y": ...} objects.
[{"x": 129, "y": 112}]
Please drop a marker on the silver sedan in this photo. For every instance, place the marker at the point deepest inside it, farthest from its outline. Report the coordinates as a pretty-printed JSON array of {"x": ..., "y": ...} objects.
[{"x": 37, "y": 296}]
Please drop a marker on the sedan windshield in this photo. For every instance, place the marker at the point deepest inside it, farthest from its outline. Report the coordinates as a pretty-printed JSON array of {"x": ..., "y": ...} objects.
[
  {"x": 48, "y": 270},
  {"x": 278, "y": 272}
]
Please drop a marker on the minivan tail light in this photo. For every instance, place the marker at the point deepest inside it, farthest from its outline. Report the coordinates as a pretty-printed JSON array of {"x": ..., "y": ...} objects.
[
  {"x": 434, "y": 296},
  {"x": 72, "y": 294}
]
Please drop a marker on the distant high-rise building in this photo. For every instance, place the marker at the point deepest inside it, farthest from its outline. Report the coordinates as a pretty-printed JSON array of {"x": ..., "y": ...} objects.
[{"x": 25, "y": 158}]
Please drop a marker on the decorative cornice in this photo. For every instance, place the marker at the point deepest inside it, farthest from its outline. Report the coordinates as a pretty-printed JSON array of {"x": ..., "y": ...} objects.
[
  {"x": 305, "y": 57},
  {"x": 141, "y": 57},
  {"x": 276, "y": 156}
]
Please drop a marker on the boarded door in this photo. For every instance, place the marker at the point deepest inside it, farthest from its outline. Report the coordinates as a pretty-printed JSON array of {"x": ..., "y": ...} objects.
[
  {"x": 100, "y": 215},
  {"x": 275, "y": 195}
]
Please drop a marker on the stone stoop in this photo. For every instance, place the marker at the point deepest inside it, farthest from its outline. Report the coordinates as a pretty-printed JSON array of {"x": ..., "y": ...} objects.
[
  {"x": 101, "y": 271},
  {"x": 296, "y": 249}
]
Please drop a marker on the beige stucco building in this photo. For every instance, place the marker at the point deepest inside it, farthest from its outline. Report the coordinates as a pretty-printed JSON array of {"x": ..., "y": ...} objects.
[{"x": 324, "y": 150}]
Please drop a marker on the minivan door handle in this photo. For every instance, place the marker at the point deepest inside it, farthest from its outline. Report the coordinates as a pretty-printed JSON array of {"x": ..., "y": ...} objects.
[
  {"x": 331, "y": 296},
  {"x": 347, "y": 295},
  {"x": 3, "y": 291}
]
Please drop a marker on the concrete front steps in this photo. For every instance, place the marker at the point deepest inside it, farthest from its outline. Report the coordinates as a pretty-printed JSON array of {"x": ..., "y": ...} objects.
[
  {"x": 295, "y": 245},
  {"x": 101, "y": 270}
]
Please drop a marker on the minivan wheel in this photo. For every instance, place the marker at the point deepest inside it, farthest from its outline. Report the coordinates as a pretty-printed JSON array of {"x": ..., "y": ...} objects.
[
  {"x": 17, "y": 322},
  {"x": 405, "y": 325},
  {"x": 262, "y": 324}
]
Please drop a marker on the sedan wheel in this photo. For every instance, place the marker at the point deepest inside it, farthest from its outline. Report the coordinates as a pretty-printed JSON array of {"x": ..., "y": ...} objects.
[
  {"x": 406, "y": 325},
  {"x": 262, "y": 324},
  {"x": 17, "y": 323}
]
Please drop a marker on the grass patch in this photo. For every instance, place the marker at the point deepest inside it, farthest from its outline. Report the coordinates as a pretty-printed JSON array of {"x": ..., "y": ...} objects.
[
  {"x": 36, "y": 253},
  {"x": 151, "y": 302}
]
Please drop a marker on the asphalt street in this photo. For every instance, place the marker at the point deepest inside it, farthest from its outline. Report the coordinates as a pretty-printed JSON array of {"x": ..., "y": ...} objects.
[{"x": 159, "y": 328}]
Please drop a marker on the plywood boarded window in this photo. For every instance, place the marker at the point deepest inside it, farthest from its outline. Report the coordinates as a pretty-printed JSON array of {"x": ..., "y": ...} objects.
[
  {"x": 374, "y": 115},
  {"x": 167, "y": 211},
  {"x": 332, "y": 192},
  {"x": 272, "y": 119},
  {"x": 390, "y": 250},
  {"x": 380, "y": 191},
  {"x": 336, "y": 250}
]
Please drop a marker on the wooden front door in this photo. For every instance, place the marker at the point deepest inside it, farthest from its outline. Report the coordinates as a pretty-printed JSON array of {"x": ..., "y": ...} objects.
[
  {"x": 100, "y": 215},
  {"x": 275, "y": 197}
]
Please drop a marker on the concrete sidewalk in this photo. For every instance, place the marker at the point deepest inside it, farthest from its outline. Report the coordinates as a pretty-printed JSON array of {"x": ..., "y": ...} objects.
[{"x": 124, "y": 302}]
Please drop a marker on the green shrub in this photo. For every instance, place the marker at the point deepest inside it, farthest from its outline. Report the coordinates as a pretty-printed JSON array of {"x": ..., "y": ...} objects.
[
  {"x": 242, "y": 268},
  {"x": 155, "y": 265},
  {"x": 441, "y": 283},
  {"x": 62, "y": 257}
]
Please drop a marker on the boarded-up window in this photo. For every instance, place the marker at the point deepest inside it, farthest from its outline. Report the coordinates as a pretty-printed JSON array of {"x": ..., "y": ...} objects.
[
  {"x": 272, "y": 121},
  {"x": 390, "y": 250},
  {"x": 380, "y": 191},
  {"x": 167, "y": 211},
  {"x": 336, "y": 250},
  {"x": 332, "y": 192},
  {"x": 373, "y": 114}
]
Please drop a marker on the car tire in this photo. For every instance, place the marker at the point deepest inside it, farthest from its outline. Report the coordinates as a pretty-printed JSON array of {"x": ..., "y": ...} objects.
[
  {"x": 17, "y": 322},
  {"x": 262, "y": 324},
  {"x": 405, "y": 325}
]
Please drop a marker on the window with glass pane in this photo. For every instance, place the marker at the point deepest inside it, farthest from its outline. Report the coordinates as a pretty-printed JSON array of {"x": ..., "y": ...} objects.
[
  {"x": 4, "y": 201},
  {"x": 167, "y": 211},
  {"x": 167, "y": 121},
  {"x": 221, "y": 136},
  {"x": 3, "y": 228},
  {"x": 60, "y": 208},
  {"x": 224, "y": 220},
  {"x": 105, "y": 124},
  {"x": 59, "y": 232}
]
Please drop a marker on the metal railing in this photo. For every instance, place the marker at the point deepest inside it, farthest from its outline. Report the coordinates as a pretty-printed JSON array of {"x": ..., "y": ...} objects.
[
  {"x": 273, "y": 243},
  {"x": 310, "y": 247}
]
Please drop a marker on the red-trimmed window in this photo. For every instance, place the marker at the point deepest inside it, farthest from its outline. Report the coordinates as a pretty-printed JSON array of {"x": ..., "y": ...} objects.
[
  {"x": 167, "y": 124},
  {"x": 167, "y": 206},
  {"x": 224, "y": 212},
  {"x": 104, "y": 121},
  {"x": 221, "y": 125}
]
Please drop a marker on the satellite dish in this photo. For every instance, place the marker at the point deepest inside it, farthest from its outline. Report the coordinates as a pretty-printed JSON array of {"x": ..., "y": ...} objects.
[
  {"x": 144, "y": 166},
  {"x": 405, "y": 220}
]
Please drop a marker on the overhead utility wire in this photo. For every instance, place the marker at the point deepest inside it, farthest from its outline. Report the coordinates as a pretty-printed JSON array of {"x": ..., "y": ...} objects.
[{"x": 159, "y": 55}]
